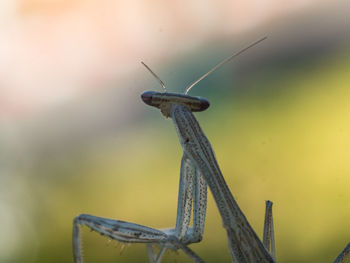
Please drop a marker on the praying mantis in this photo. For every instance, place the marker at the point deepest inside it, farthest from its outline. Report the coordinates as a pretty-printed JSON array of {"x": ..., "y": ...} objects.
[{"x": 199, "y": 169}]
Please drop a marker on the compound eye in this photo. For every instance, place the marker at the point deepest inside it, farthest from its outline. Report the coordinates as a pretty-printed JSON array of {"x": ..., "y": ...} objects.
[
  {"x": 147, "y": 97},
  {"x": 204, "y": 104}
]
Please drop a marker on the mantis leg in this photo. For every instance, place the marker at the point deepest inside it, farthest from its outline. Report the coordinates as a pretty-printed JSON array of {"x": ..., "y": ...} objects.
[
  {"x": 192, "y": 188},
  {"x": 199, "y": 206},
  {"x": 114, "y": 229},
  {"x": 185, "y": 198},
  {"x": 269, "y": 235},
  {"x": 154, "y": 258},
  {"x": 127, "y": 232}
]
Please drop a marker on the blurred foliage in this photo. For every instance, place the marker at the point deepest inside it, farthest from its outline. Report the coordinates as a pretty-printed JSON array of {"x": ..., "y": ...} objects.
[{"x": 280, "y": 134}]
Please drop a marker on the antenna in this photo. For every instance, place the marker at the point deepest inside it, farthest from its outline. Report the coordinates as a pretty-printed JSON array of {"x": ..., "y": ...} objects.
[
  {"x": 223, "y": 62},
  {"x": 155, "y": 75}
]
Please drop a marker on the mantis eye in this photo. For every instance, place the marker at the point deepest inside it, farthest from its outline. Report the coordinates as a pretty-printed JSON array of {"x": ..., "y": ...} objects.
[{"x": 147, "y": 97}]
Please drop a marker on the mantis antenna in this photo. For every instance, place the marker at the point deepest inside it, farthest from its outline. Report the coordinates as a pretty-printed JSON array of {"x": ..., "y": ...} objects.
[
  {"x": 155, "y": 75},
  {"x": 223, "y": 62}
]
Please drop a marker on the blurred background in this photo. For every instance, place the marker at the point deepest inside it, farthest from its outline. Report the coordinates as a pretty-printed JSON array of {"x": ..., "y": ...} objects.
[{"x": 76, "y": 138}]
